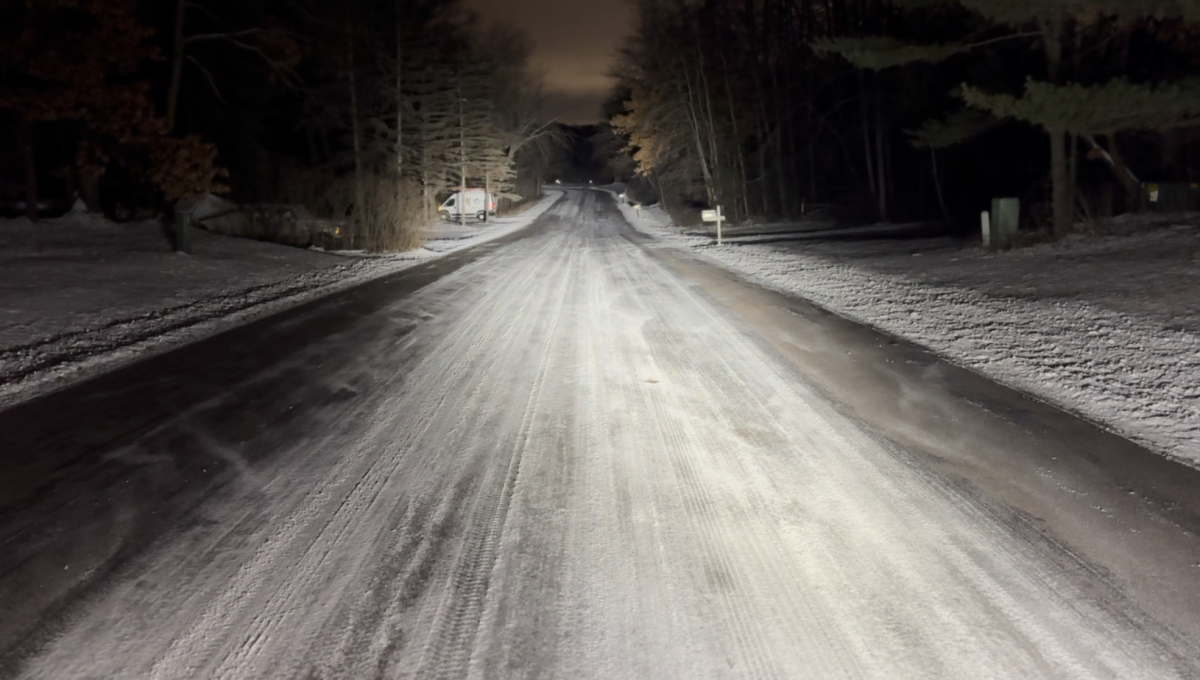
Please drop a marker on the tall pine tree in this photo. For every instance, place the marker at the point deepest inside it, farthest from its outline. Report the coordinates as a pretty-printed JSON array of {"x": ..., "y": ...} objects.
[{"x": 1050, "y": 100}]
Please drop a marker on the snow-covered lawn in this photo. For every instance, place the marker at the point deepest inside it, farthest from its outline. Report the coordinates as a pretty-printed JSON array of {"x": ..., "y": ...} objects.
[
  {"x": 1106, "y": 327},
  {"x": 79, "y": 294}
]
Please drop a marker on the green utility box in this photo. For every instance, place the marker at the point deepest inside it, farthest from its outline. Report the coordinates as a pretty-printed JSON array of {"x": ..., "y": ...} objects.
[{"x": 1005, "y": 219}]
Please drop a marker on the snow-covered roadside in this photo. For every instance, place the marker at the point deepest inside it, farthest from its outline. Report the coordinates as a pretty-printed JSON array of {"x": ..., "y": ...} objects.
[
  {"x": 79, "y": 295},
  {"x": 1108, "y": 328}
]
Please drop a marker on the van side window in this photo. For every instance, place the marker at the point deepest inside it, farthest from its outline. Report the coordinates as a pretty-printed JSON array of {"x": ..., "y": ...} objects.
[{"x": 450, "y": 202}]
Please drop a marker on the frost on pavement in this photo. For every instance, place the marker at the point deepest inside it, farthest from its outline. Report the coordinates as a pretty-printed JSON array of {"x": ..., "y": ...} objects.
[
  {"x": 1108, "y": 329},
  {"x": 564, "y": 461}
]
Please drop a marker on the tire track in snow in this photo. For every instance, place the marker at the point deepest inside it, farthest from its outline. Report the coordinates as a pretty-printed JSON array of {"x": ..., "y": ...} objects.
[
  {"x": 735, "y": 568},
  {"x": 451, "y": 638},
  {"x": 1001, "y": 597},
  {"x": 325, "y": 514},
  {"x": 618, "y": 568}
]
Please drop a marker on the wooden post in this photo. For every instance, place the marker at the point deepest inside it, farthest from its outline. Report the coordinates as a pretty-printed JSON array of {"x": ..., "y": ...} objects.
[
  {"x": 720, "y": 219},
  {"x": 986, "y": 221}
]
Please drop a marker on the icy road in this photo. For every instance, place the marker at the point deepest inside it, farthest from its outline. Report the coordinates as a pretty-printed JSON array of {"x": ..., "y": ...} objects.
[{"x": 576, "y": 454}]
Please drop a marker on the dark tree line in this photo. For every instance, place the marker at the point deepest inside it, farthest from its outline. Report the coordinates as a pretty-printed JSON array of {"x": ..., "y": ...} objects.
[
  {"x": 908, "y": 109},
  {"x": 364, "y": 110}
]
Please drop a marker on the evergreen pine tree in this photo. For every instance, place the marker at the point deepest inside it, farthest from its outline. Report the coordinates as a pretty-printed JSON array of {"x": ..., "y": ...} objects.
[{"x": 1061, "y": 108}]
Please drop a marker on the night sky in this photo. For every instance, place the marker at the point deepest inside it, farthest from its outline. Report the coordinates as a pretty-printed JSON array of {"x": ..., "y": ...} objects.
[{"x": 574, "y": 41}]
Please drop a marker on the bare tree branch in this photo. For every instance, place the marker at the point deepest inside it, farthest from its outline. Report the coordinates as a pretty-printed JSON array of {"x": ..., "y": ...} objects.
[{"x": 211, "y": 82}]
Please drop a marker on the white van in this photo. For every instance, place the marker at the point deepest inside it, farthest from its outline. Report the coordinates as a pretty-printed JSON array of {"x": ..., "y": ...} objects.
[{"x": 476, "y": 203}]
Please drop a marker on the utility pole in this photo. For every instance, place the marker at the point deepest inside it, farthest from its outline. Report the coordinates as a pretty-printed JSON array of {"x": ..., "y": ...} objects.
[
  {"x": 400, "y": 100},
  {"x": 462, "y": 157}
]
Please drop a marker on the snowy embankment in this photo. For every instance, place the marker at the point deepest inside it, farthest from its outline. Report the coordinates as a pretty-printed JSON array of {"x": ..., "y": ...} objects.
[
  {"x": 80, "y": 295},
  {"x": 1105, "y": 327}
]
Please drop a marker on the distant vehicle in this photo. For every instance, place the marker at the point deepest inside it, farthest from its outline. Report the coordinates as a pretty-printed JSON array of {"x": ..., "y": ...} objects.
[
  {"x": 558, "y": 181},
  {"x": 476, "y": 203}
]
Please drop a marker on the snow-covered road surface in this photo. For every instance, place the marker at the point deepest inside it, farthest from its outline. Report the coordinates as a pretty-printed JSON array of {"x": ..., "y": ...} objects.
[{"x": 563, "y": 460}]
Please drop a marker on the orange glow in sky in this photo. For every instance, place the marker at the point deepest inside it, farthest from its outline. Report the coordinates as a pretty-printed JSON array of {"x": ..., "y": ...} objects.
[{"x": 574, "y": 41}]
